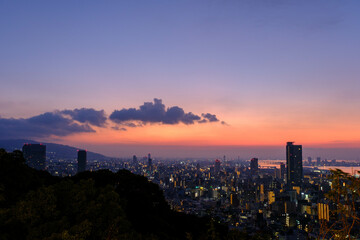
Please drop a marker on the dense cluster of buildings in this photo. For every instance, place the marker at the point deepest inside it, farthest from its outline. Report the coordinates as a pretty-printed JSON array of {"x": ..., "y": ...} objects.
[{"x": 288, "y": 200}]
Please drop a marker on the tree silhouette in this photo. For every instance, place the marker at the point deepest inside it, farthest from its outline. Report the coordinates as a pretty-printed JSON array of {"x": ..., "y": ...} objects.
[{"x": 342, "y": 200}]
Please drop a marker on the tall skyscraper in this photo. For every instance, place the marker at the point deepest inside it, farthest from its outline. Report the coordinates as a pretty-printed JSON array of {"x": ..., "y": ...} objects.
[
  {"x": 217, "y": 166},
  {"x": 254, "y": 166},
  {"x": 149, "y": 162},
  {"x": 35, "y": 155},
  {"x": 135, "y": 161},
  {"x": 310, "y": 161},
  {"x": 81, "y": 161},
  {"x": 282, "y": 171},
  {"x": 318, "y": 161},
  {"x": 294, "y": 165}
]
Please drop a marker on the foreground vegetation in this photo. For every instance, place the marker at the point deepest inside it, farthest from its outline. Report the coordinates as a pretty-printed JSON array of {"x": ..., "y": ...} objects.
[{"x": 92, "y": 205}]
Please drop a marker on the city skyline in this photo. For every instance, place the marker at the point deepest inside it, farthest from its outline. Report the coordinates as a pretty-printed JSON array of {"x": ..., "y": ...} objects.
[{"x": 234, "y": 75}]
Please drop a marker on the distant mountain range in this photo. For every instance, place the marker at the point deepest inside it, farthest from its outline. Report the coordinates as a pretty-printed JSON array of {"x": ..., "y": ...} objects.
[{"x": 61, "y": 151}]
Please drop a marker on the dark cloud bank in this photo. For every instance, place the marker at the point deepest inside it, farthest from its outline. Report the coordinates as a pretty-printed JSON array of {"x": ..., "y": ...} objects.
[
  {"x": 87, "y": 115},
  {"x": 155, "y": 113},
  {"x": 58, "y": 123},
  {"x": 66, "y": 122}
]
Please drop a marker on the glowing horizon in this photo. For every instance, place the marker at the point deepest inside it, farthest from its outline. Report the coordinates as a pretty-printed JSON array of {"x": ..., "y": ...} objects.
[{"x": 271, "y": 72}]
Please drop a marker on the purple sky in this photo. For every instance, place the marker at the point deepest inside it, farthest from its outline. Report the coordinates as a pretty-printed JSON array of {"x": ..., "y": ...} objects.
[{"x": 260, "y": 66}]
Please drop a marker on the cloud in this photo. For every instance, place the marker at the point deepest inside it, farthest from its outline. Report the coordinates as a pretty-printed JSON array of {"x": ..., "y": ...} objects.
[
  {"x": 87, "y": 115},
  {"x": 154, "y": 112},
  {"x": 190, "y": 118},
  {"x": 57, "y": 123},
  {"x": 224, "y": 123},
  {"x": 132, "y": 125},
  {"x": 83, "y": 120},
  {"x": 210, "y": 117},
  {"x": 118, "y": 128},
  {"x": 44, "y": 125},
  {"x": 203, "y": 121}
]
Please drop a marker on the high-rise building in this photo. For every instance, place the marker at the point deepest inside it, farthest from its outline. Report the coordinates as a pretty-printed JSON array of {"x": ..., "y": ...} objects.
[
  {"x": 254, "y": 166},
  {"x": 262, "y": 194},
  {"x": 318, "y": 161},
  {"x": 149, "y": 162},
  {"x": 35, "y": 155},
  {"x": 81, "y": 161},
  {"x": 310, "y": 161},
  {"x": 277, "y": 173},
  {"x": 217, "y": 166},
  {"x": 135, "y": 161},
  {"x": 294, "y": 165},
  {"x": 323, "y": 211},
  {"x": 282, "y": 171},
  {"x": 271, "y": 197}
]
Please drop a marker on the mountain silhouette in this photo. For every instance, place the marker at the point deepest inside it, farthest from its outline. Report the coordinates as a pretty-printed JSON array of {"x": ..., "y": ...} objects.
[{"x": 61, "y": 151}]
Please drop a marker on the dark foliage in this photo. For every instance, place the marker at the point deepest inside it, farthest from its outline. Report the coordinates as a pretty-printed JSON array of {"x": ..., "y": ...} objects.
[
  {"x": 16, "y": 179},
  {"x": 91, "y": 205}
]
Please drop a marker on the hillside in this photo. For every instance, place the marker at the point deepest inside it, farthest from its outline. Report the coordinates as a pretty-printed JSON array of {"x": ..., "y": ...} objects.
[{"x": 61, "y": 151}]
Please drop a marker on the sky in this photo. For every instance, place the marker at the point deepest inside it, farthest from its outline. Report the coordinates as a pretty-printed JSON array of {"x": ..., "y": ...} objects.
[{"x": 120, "y": 77}]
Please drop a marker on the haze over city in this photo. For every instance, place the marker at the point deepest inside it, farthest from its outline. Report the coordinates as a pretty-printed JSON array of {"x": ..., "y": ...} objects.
[{"x": 183, "y": 78}]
